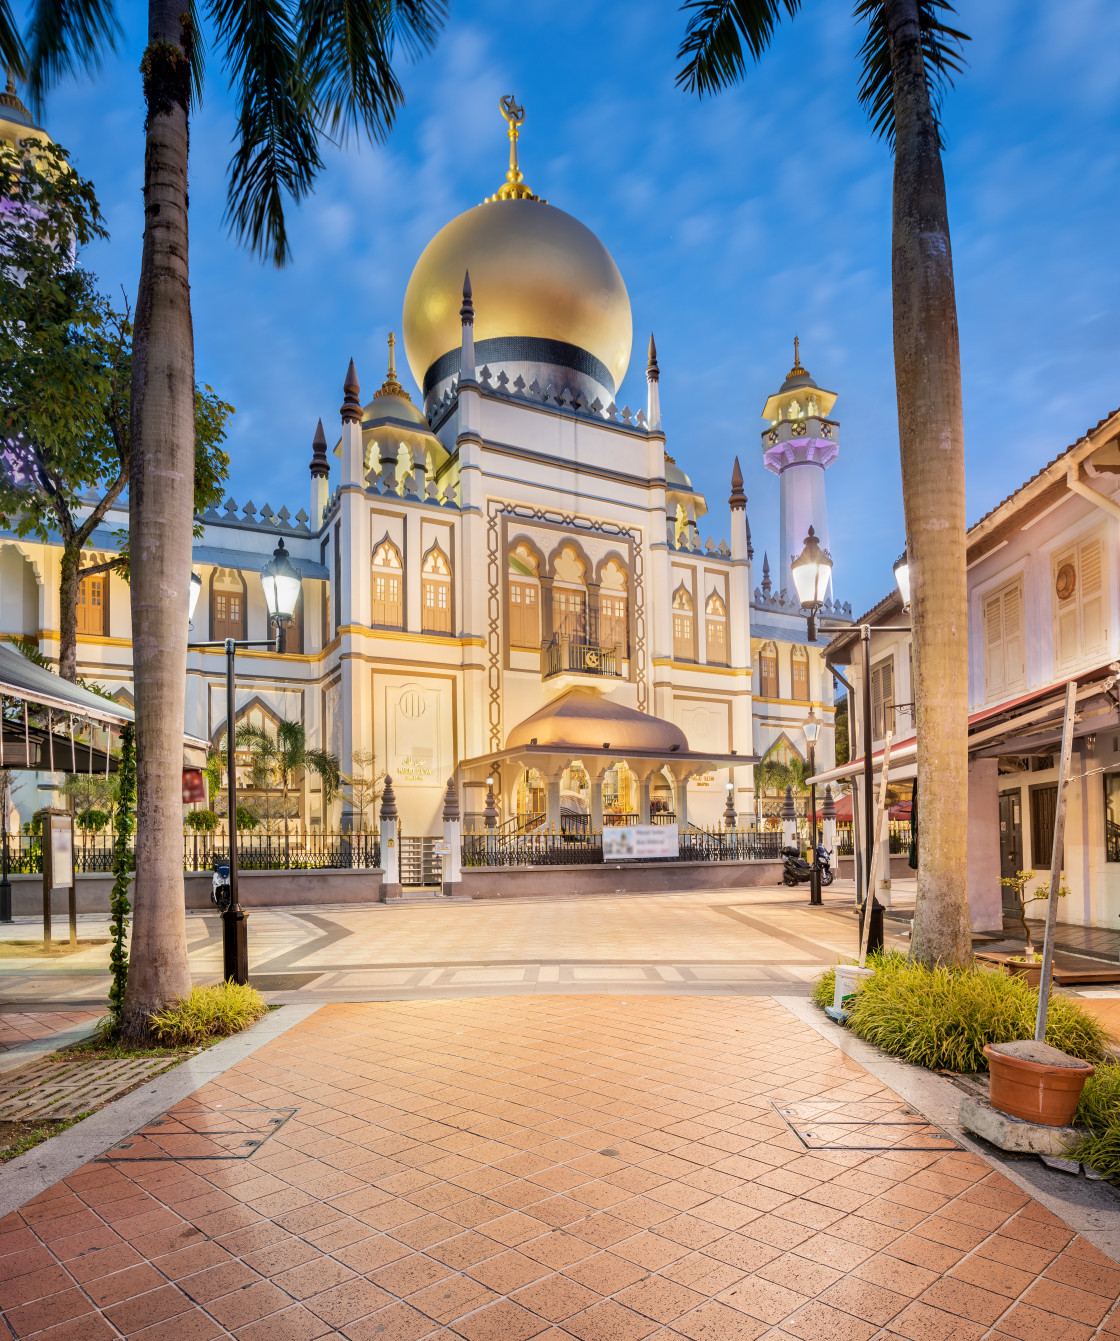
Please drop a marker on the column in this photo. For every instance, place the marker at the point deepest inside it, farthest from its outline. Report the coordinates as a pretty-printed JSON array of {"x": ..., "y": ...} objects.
[
  {"x": 595, "y": 779},
  {"x": 453, "y": 837},
  {"x": 390, "y": 850},
  {"x": 552, "y": 778}
]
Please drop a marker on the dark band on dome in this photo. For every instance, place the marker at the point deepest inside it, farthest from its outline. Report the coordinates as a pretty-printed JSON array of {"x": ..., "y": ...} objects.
[{"x": 522, "y": 349}]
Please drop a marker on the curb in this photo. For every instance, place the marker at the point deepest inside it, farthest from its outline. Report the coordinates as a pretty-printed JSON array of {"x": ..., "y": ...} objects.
[
  {"x": 58, "y": 1157},
  {"x": 1090, "y": 1208}
]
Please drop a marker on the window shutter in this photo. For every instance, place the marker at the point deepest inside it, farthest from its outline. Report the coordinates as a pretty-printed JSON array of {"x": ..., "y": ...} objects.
[
  {"x": 1091, "y": 583},
  {"x": 1066, "y": 619},
  {"x": 1014, "y": 643},
  {"x": 994, "y": 676}
]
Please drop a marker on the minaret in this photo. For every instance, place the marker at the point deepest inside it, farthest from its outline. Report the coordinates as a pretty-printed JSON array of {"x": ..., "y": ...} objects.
[
  {"x": 466, "y": 317},
  {"x": 320, "y": 477},
  {"x": 798, "y": 444},
  {"x": 653, "y": 394}
]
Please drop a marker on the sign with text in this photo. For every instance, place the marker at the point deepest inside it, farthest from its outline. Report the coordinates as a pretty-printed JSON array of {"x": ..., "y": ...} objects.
[
  {"x": 193, "y": 788},
  {"x": 62, "y": 852},
  {"x": 640, "y": 842}
]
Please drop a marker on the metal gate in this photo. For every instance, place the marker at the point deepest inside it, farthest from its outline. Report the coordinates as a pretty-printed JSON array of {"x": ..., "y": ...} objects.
[{"x": 420, "y": 864}]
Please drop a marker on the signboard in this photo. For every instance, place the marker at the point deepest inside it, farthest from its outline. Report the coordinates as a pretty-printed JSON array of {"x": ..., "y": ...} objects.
[
  {"x": 640, "y": 842},
  {"x": 62, "y": 852},
  {"x": 193, "y": 790},
  {"x": 441, "y": 849}
]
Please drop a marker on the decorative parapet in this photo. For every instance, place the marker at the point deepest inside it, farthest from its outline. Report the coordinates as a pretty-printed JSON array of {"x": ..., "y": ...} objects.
[
  {"x": 264, "y": 520},
  {"x": 417, "y": 486},
  {"x": 564, "y": 399},
  {"x": 787, "y": 603},
  {"x": 792, "y": 440}
]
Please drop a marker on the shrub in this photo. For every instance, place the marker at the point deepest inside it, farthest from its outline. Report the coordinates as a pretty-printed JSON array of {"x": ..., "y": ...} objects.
[
  {"x": 1099, "y": 1110},
  {"x": 202, "y": 821},
  {"x": 208, "y": 1012},
  {"x": 93, "y": 820},
  {"x": 824, "y": 989},
  {"x": 941, "y": 1018}
]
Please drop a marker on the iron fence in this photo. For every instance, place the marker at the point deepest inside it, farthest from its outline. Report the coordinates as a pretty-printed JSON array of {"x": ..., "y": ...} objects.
[
  {"x": 583, "y": 848},
  {"x": 899, "y": 837},
  {"x": 93, "y": 853}
]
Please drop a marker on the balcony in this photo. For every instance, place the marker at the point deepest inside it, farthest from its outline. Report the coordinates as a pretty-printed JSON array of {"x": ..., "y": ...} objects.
[{"x": 570, "y": 656}]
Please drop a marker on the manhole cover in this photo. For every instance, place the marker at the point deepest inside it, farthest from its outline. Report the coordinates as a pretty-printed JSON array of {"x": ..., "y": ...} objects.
[
  {"x": 874, "y": 1124},
  {"x": 47, "y": 1089},
  {"x": 281, "y": 982},
  {"x": 201, "y": 1133}
]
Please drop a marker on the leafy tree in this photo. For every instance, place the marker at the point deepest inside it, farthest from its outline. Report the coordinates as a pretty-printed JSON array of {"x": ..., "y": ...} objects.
[
  {"x": 202, "y": 821},
  {"x": 276, "y": 759},
  {"x": 840, "y": 726},
  {"x": 321, "y": 69},
  {"x": 1018, "y": 883},
  {"x": 909, "y": 56},
  {"x": 66, "y": 355},
  {"x": 363, "y": 786}
]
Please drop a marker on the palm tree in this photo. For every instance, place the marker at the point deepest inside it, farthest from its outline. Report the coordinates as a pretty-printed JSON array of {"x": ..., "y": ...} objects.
[
  {"x": 302, "y": 72},
  {"x": 275, "y": 760},
  {"x": 909, "y": 56}
]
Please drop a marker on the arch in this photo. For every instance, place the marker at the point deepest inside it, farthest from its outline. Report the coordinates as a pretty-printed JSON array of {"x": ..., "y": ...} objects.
[
  {"x": 532, "y": 550},
  {"x": 715, "y": 630},
  {"x": 569, "y": 542},
  {"x": 229, "y": 597},
  {"x": 799, "y": 673},
  {"x": 619, "y": 562},
  {"x": 768, "y": 670},
  {"x": 435, "y": 591},
  {"x": 523, "y": 591},
  {"x": 255, "y": 704},
  {"x": 387, "y": 586},
  {"x": 684, "y": 625}
]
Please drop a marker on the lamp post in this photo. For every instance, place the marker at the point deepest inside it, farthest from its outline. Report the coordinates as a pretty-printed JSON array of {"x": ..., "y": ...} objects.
[
  {"x": 811, "y": 727},
  {"x": 281, "y": 582},
  {"x": 812, "y": 570},
  {"x": 490, "y": 814},
  {"x": 729, "y": 817}
]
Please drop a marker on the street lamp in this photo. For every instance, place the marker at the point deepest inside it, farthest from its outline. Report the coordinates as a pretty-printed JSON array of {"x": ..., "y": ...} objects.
[
  {"x": 811, "y": 727},
  {"x": 812, "y": 571},
  {"x": 490, "y": 814},
  {"x": 902, "y": 577},
  {"x": 729, "y": 816},
  {"x": 281, "y": 581}
]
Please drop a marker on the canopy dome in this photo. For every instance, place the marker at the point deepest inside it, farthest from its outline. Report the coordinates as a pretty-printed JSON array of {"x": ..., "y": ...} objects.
[
  {"x": 550, "y": 303},
  {"x": 581, "y": 719}
]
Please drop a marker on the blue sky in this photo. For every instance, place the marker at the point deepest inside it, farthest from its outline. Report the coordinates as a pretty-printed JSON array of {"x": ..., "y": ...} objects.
[{"x": 736, "y": 223}]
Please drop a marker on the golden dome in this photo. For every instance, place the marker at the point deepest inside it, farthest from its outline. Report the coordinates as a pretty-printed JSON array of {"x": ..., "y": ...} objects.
[
  {"x": 16, "y": 122},
  {"x": 549, "y": 301}
]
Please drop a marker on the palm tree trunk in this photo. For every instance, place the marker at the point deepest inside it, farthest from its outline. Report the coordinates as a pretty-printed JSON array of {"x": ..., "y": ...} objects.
[
  {"x": 68, "y": 584},
  {"x": 161, "y": 515},
  {"x": 931, "y": 440}
]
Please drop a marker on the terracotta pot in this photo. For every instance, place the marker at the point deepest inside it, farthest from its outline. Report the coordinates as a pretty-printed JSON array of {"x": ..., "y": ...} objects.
[
  {"x": 1030, "y": 973},
  {"x": 1036, "y": 1091}
]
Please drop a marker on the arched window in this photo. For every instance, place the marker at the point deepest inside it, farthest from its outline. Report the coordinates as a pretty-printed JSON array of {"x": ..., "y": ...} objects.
[
  {"x": 715, "y": 613},
  {"x": 569, "y": 596},
  {"x": 768, "y": 671},
  {"x": 684, "y": 642},
  {"x": 524, "y": 599},
  {"x": 228, "y": 619},
  {"x": 93, "y": 605},
  {"x": 388, "y": 607},
  {"x": 435, "y": 592},
  {"x": 614, "y": 618},
  {"x": 799, "y": 664}
]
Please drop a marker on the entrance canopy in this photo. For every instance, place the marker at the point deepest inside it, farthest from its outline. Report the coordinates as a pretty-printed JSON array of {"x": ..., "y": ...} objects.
[{"x": 581, "y": 724}]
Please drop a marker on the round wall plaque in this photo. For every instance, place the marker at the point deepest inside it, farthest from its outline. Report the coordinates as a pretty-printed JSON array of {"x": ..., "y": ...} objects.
[{"x": 1066, "y": 582}]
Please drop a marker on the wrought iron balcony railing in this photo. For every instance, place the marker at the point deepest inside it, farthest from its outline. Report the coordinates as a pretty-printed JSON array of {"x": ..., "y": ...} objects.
[{"x": 569, "y": 656}]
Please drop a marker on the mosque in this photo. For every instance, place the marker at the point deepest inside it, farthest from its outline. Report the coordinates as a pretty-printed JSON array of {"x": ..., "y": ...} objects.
[{"x": 504, "y": 578}]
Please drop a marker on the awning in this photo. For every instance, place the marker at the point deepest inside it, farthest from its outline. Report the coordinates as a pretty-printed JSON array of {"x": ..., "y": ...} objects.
[{"x": 21, "y": 678}]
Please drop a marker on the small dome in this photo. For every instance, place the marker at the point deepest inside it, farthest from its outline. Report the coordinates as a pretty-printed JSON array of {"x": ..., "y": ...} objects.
[
  {"x": 395, "y": 406},
  {"x": 580, "y": 719},
  {"x": 16, "y": 122}
]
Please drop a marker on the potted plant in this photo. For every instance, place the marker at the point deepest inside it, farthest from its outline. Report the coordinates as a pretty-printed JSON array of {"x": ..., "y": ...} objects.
[
  {"x": 1028, "y": 964},
  {"x": 1036, "y": 1082}
]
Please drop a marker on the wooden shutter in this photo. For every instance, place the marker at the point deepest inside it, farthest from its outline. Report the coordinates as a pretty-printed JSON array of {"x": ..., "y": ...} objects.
[
  {"x": 882, "y": 693},
  {"x": 800, "y": 679},
  {"x": 1004, "y": 643},
  {"x": 1090, "y": 582}
]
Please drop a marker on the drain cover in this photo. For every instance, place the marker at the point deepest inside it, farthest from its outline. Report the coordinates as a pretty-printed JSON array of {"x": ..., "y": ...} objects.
[
  {"x": 874, "y": 1124},
  {"x": 201, "y": 1133},
  {"x": 48, "y": 1089}
]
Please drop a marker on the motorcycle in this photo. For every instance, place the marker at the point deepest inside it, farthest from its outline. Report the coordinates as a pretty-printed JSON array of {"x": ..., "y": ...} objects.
[{"x": 798, "y": 871}]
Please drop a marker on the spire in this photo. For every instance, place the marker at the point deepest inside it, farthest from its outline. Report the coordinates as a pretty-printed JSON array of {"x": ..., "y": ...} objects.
[
  {"x": 766, "y": 584},
  {"x": 320, "y": 466},
  {"x": 738, "y": 499},
  {"x": 388, "y": 802},
  {"x": 351, "y": 406},
  {"x": 653, "y": 372},
  {"x": 797, "y": 370},
  {"x": 828, "y": 811},
  {"x": 450, "y": 802},
  {"x": 466, "y": 312},
  {"x": 390, "y": 386},
  {"x": 514, "y": 188}
]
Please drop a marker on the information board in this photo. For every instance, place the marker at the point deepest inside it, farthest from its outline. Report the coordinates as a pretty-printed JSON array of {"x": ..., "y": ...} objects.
[
  {"x": 62, "y": 852},
  {"x": 640, "y": 842}
]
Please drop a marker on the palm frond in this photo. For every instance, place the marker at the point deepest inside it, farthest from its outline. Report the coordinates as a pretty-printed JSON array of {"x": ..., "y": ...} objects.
[
  {"x": 325, "y": 765},
  {"x": 712, "y": 48},
  {"x": 13, "y": 54},
  {"x": 942, "y": 48},
  {"x": 346, "y": 56},
  {"x": 277, "y": 154},
  {"x": 67, "y": 37}
]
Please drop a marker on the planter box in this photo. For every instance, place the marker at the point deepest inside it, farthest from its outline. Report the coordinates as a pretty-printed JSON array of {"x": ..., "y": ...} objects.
[{"x": 1031, "y": 972}]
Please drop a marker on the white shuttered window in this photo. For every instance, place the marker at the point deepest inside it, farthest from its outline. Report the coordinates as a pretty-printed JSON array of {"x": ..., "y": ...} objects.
[
  {"x": 1080, "y": 603},
  {"x": 1005, "y": 668}
]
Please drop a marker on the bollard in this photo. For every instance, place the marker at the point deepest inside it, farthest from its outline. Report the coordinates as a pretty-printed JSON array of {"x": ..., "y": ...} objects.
[
  {"x": 815, "y": 885},
  {"x": 875, "y": 936},
  {"x": 235, "y": 945}
]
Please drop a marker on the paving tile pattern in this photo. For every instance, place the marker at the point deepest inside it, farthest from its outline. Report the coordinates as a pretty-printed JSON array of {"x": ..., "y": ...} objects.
[
  {"x": 509, "y": 1169},
  {"x": 53, "y": 1089},
  {"x": 19, "y": 1027}
]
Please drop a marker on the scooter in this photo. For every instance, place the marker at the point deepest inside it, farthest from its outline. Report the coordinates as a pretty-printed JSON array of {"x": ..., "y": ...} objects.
[
  {"x": 798, "y": 871},
  {"x": 220, "y": 892}
]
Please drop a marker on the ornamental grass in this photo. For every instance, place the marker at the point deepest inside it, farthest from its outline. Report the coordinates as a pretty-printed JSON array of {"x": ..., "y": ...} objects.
[
  {"x": 941, "y": 1018},
  {"x": 1099, "y": 1111},
  {"x": 207, "y": 1013}
]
